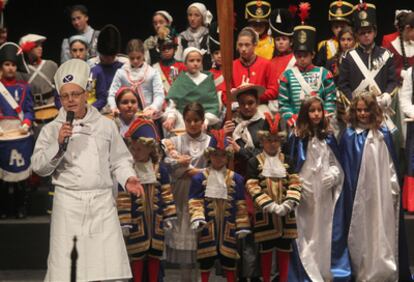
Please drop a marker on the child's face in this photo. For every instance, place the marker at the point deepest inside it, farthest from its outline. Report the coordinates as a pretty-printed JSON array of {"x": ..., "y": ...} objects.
[
  {"x": 245, "y": 47},
  {"x": 303, "y": 58},
  {"x": 8, "y": 69},
  {"x": 366, "y": 36},
  {"x": 128, "y": 106},
  {"x": 247, "y": 105},
  {"x": 218, "y": 159},
  {"x": 194, "y": 17},
  {"x": 78, "y": 51},
  {"x": 167, "y": 52},
  {"x": 346, "y": 42},
  {"x": 282, "y": 44},
  {"x": 409, "y": 32},
  {"x": 271, "y": 145},
  {"x": 362, "y": 113},
  {"x": 79, "y": 21},
  {"x": 140, "y": 151},
  {"x": 217, "y": 57},
  {"x": 37, "y": 51},
  {"x": 315, "y": 113},
  {"x": 193, "y": 62},
  {"x": 136, "y": 59},
  {"x": 158, "y": 21},
  {"x": 193, "y": 123},
  {"x": 336, "y": 27}
]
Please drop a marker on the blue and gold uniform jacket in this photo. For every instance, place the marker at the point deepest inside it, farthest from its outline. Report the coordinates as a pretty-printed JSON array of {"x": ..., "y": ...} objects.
[
  {"x": 224, "y": 217},
  {"x": 145, "y": 216}
]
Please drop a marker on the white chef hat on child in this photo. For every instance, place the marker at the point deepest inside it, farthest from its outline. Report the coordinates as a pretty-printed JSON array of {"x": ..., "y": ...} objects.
[
  {"x": 188, "y": 50},
  {"x": 166, "y": 15},
  {"x": 74, "y": 71},
  {"x": 207, "y": 15}
]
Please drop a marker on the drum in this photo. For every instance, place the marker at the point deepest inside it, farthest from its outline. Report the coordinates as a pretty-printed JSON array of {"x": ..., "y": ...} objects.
[
  {"x": 16, "y": 150},
  {"x": 44, "y": 114}
]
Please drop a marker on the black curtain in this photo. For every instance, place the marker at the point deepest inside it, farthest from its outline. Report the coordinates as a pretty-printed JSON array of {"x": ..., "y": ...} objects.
[{"x": 133, "y": 18}]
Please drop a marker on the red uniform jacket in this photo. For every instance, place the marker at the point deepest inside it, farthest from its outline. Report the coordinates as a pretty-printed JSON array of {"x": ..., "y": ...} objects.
[{"x": 260, "y": 73}]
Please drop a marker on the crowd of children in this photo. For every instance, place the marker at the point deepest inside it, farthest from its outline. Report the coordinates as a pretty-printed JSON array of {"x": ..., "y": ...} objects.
[{"x": 306, "y": 173}]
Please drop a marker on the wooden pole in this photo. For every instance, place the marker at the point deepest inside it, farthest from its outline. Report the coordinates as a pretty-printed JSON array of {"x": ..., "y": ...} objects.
[{"x": 225, "y": 10}]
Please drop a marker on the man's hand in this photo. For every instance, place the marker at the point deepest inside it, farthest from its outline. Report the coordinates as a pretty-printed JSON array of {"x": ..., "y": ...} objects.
[
  {"x": 65, "y": 131},
  {"x": 133, "y": 186}
]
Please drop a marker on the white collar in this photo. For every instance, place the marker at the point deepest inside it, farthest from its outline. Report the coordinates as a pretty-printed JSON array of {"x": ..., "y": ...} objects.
[
  {"x": 273, "y": 166},
  {"x": 216, "y": 184}
]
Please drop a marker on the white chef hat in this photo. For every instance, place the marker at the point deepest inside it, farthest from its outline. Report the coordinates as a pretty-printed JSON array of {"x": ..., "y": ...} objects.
[
  {"x": 74, "y": 71},
  {"x": 192, "y": 49},
  {"x": 166, "y": 15},
  {"x": 207, "y": 15}
]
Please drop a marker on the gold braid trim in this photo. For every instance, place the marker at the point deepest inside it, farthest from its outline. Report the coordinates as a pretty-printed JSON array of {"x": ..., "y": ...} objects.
[
  {"x": 196, "y": 209},
  {"x": 123, "y": 202},
  {"x": 242, "y": 217},
  {"x": 206, "y": 252}
]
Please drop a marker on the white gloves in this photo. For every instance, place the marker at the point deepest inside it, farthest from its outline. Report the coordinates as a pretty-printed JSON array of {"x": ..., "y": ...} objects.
[
  {"x": 283, "y": 209},
  {"x": 198, "y": 225},
  {"x": 270, "y": 208},
  {"x": 328, "y": 180},
  {"x": 330, "y": 177},
  {"x": 24, "y": 128},
  {"x": 242, "y": 233},
  {"x": 384, "y": 100},
  {"x": 125, "y": 231},
  {"x": 168, "y": 224}
]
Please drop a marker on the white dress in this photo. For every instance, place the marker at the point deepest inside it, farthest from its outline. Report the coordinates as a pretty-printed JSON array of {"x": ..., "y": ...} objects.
[
  {"x": 84, "y": 205},
  {"x": 181, "y": 240},
  {"x": 373, "y": 232},
  {"x": 314, "y": 215}
]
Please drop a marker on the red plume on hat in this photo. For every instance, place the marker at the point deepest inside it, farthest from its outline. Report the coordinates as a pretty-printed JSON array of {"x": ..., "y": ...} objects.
[
  {"x": 293, "y": 9},
  {"x": 362, "y": 5},
  {"x": 304, "y": 11},
  {"x": 273, "y": 123},
  {"x": 28, "y": 46},
  {"x": 220, "y": 137}
]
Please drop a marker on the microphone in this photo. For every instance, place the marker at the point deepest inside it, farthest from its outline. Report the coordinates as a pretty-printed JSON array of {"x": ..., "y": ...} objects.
[{"x": 69, "y": 118}]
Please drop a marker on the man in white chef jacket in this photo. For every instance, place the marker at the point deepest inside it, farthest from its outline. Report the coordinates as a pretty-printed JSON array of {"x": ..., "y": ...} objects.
[{"x": 83, "y": 204}]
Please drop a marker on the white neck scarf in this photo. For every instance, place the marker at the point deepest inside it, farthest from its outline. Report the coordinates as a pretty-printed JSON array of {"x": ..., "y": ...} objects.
[
  {"x": 216, "y": 184},
  {"x": 242, "y": 132},
  {"x": 273, "y": 167},
  {"x": 146, "y": 172}
]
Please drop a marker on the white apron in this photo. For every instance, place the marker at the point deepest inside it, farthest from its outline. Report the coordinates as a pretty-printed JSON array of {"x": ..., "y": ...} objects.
[{"x": 92, "y": 217}]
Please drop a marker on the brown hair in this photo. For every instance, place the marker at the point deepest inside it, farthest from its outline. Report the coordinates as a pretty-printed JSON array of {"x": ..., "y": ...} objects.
[
  {"x": 376, "y": 116},
  {"x": 250, "y": 32},
  {"x": 135, "y": 45},
  {"x": 194, "y": 107},
  {"x": 342, "y": 32},
  {"x": 404, "y": 19},
  {"x": 304, "y": 126}
]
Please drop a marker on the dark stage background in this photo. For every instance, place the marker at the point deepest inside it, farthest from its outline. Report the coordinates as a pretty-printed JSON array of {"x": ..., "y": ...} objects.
[{"x": 133, "y": 18}]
